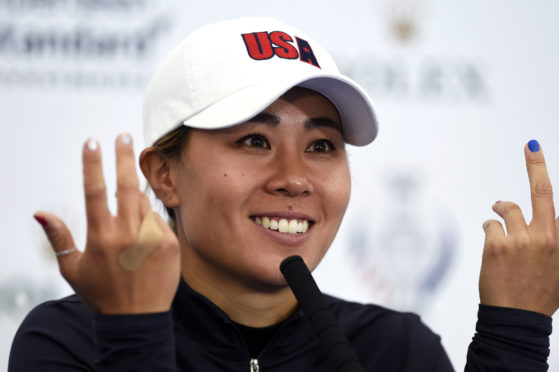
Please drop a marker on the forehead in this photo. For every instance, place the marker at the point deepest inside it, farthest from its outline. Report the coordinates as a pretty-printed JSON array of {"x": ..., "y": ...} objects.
[
  {"x": 302, "y": 102},
  {"x": 297, "y": 105}
]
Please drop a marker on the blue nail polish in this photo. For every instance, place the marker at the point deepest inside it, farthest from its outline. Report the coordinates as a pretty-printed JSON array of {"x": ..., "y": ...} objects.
[{"x": 534, "y": 146}]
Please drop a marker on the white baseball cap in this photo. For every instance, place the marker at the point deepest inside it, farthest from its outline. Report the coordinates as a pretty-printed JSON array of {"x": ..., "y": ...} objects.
[{"x": 225, "y": 73}]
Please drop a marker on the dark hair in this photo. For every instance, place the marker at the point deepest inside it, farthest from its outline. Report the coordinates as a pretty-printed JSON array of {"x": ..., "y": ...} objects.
[{"x": 172, "y": 144}]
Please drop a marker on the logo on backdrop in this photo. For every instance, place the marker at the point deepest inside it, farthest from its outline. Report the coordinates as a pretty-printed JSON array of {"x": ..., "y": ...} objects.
[
  {"x": 404, "y": 251},
  {"x": 403, "y": 73},
  {"x": 76, "y": 43},
  {"x": 403, "y": 18},
  {"x": 264, "y": 45}
]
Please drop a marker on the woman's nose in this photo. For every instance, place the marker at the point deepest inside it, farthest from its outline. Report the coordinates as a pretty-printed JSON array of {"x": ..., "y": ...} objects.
[{"x": 289, "y": 176}]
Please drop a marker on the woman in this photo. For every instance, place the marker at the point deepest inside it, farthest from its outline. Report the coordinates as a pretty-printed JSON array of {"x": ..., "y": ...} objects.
[{"x": 248, "y": 121}]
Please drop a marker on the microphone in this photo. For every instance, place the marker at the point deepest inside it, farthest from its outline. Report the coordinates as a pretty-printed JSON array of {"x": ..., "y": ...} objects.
[{"x": 330, "y": 337}]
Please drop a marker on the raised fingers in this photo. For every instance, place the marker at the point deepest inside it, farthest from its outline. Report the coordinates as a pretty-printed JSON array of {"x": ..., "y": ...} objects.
[
  {"x": 494, "y": 235},
  {"x": 62, "y": 242},
  {"x": 127, "y": 181},
  {"x": 543, "y": 210},
  {"x": 493, "y": 230},
  {"x": 513, "y": 217},
  {"x": 94, "y": 185},
  {"x": 144, "y": 204}
]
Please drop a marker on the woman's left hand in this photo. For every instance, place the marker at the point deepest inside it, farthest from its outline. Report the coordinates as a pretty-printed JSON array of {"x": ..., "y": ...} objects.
[{"x": 520, "y": 268}]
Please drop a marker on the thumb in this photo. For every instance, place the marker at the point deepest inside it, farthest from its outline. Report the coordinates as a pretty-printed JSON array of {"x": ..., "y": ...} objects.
[{"x": 62, "y": 242}]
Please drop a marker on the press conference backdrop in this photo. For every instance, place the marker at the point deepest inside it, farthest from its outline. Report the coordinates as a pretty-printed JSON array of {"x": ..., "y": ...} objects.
[{"x": 459, "y": 88}]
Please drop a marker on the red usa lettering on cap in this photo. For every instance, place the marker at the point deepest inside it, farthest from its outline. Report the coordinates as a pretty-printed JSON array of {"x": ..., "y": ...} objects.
[{"x": 265, "y": 45}]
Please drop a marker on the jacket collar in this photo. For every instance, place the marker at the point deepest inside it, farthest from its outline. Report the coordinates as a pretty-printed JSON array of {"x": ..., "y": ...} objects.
[{"x": 199, "y": 319}]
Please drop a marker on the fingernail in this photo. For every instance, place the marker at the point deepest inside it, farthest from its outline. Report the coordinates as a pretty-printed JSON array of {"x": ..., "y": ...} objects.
[
  {"x": 534, "y": 146},
  {"x": 92, "y": 144},
  {"x": 126, "y": 138},
  {"x": 42, "y": 221}
]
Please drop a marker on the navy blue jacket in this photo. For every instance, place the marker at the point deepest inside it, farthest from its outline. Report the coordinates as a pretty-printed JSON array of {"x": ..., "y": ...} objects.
[{"x": 197, "y": 336}]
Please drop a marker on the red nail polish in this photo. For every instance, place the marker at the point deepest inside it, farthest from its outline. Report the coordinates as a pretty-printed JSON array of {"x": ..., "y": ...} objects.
[{"x": 41, "y": 220}]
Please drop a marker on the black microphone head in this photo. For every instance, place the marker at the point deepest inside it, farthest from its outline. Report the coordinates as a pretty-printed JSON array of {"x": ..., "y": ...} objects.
[
  {"x": 301, "y": 282},
  {"x": 289, "y": 260}
]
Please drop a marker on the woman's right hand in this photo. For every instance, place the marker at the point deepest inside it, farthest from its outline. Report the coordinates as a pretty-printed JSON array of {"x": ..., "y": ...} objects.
[{"x": 131, "y": 262}]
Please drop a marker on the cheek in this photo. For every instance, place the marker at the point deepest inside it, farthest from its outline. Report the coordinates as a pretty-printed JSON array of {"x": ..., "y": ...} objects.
[
  {"x": 197, "y": 191},
  {"x": 338, "y": 191},
  {"x": 214, "y": 194}
]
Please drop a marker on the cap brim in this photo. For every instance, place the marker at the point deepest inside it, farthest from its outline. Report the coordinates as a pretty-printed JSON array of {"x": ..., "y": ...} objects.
[{"x": 356, "y": 113}]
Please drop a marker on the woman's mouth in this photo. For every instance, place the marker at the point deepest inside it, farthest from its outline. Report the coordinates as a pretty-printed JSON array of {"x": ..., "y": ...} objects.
[{"x": 283, "y": 225}]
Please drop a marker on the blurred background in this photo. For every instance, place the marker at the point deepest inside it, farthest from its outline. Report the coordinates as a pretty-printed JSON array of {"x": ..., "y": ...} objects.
[{"x": 459, "y": 88}]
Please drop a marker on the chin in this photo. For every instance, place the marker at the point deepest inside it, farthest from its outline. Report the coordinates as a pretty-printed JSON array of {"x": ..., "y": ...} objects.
[
  {"x": 267, "y": 275},
  {"x": 271, "y": 273}
]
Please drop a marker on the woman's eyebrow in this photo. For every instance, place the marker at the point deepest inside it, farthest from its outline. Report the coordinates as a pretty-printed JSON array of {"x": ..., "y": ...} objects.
[
  {"x": 265, "y": 118},
  {"x": 311, "y": 123}
]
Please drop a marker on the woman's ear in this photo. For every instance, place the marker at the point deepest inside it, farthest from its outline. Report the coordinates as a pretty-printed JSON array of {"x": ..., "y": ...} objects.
[{"x": 160, "y": 172}]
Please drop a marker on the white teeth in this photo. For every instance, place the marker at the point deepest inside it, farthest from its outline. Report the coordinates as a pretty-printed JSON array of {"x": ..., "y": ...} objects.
[
  {"x": 283, "y": 225},
  {"x": 266, "y": 222},
  {"x": 292, "y": 229}
]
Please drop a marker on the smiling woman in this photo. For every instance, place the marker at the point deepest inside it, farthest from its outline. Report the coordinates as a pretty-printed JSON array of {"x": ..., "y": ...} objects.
[
  {"x": 277, "y": 165},
  {"x": 246, "y": 123}
]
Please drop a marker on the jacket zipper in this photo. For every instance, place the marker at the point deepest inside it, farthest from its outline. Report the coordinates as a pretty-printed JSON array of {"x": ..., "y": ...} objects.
[{"x": 254, "y": 367}]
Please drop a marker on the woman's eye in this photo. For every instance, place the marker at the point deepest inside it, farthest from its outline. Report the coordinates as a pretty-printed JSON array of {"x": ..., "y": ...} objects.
[
  {"x": 255, "y": 140},
  {"x": 321, "y": 145}
]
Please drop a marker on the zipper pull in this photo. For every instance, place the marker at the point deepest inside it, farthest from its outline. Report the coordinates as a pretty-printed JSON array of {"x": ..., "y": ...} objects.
[{"x": 254, "y": 367}]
